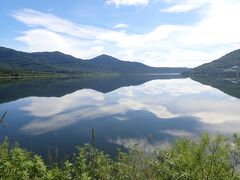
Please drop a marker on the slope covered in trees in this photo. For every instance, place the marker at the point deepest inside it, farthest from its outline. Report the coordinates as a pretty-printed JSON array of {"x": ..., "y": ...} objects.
[{"x": 21, "y": 63}]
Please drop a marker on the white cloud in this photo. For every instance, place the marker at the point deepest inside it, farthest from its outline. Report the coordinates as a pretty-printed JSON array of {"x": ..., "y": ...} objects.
[
  {"x": 64, "y": 119},
  {"x": 127, "y": 2},
  {"x": 45, "y": 40},
  {"x": 216, "y": 33},
  {"x": 185, "y": 5},
  {"x": 140, "y": 144},
  {"x": 121, "y": 26},
  {"x": 158, "y": 110},
  {"x": 165, "y": 99},
  {"x": 177, "y": 133},
  {"x": 56, "y": 105}
]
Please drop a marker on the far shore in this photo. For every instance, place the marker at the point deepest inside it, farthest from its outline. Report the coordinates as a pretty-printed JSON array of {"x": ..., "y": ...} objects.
[{"x": 85, "y": 75}]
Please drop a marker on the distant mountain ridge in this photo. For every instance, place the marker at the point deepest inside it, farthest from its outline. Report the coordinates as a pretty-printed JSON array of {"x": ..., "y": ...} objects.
[
  {"x": 227, "y": 65},
  {"x": 57, "y": 62}
]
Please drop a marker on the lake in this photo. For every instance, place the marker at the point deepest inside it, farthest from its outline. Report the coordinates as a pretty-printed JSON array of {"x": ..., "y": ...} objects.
[{"x": 145, "y": 111}]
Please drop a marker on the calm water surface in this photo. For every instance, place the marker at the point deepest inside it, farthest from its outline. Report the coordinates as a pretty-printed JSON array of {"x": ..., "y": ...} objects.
[{"x": 59, "y": 114}]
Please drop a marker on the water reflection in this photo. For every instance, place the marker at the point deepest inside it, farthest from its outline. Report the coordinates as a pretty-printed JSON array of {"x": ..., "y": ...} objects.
[
  {"x": 16, "y": 89},
  {"x": 165, "y": 108},
  {"x": 230, "y": 86}
]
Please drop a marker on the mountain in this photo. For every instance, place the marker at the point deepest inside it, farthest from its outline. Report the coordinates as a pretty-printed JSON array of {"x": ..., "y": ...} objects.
[
  {"x": 57, "y": 62},
  {"x": 228, "y": 65},
  {"x": 127, "y": 67},
  {"x": 58, "y": 87}
]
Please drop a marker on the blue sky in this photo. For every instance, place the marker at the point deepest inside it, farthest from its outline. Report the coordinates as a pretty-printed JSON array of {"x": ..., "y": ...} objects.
[{"x": 154, "y": 32}]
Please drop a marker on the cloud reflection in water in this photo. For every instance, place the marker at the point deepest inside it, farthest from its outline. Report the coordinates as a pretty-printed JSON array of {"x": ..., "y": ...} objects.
[{"x": 164, "y": 98}]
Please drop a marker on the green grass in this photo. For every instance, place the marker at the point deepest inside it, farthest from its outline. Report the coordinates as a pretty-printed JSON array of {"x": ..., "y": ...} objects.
[
  {"x": 208, "y": 158},
  {"x": 17, "y": 74}
]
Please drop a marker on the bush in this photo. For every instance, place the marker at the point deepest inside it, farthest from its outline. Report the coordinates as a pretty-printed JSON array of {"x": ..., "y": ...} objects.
[{"x": 208, "y": 158}]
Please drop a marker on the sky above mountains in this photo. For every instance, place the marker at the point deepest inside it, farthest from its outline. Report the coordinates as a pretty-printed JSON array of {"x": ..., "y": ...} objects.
[{"x": 154, "y": 32}]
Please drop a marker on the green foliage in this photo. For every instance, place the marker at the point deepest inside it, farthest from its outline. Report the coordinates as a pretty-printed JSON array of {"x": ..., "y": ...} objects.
[
  {"x": 19, "y": 64},
  {"x": 92, "y": 164},
  {"x": 219, "y": 66},
  {"x": 16, "y": 163},
  {"x": 206, "y": 158}
]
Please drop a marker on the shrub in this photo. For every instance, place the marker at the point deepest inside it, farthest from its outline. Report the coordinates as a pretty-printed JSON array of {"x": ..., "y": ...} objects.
[{"x": 207, "y": 158}]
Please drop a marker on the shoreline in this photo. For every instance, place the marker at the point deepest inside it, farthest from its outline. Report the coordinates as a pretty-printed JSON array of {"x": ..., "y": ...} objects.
[
  {"x": 86, "y": 75},
  {"x": 56, "y": 76}
]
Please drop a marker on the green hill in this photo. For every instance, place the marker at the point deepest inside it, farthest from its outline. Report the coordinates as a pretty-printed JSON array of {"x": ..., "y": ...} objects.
[
  {"x": 53, "y": 62},
  {"x": 17, "y": 62},
  {"x": 228, "y": 65}
]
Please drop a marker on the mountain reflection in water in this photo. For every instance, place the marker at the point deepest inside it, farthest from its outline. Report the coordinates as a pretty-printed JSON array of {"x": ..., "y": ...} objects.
[{"x": 123, "y": 110}]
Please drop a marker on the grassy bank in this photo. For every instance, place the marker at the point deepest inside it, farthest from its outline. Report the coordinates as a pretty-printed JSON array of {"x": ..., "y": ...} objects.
[
  {"x": 46, "y": 76},
  {"x": 209, "y": 158}
]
